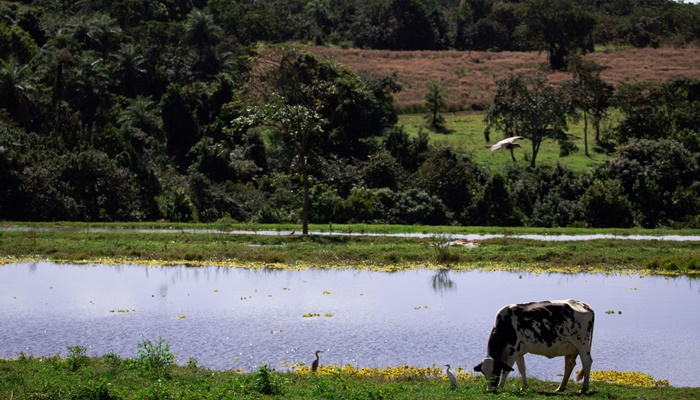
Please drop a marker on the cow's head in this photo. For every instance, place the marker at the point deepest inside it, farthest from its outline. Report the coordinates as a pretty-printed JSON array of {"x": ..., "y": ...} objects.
[{"x": 492, "y": 370}]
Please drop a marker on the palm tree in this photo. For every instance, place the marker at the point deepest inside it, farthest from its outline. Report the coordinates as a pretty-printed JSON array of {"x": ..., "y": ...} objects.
[
  {"x": 104, "y": 32},
  {"x": 129, "y": 69},
  {"x": 15, "y": 89},
  {"x": 100, "y": 32},
  {"x": 141, "y": 113},
  {"x": 90, "y": 90},
  {"x": 202, "y": 31},
  {"x": 141, "y": 122}
]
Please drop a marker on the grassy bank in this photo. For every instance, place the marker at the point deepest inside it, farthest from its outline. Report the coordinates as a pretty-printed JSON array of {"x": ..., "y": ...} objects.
[
  {"x": 226, "y": 245},
  {"x": 153, "y": 375}
]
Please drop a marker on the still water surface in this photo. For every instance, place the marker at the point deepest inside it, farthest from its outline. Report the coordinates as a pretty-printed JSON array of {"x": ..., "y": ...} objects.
[{"x": 229, "y": 318}]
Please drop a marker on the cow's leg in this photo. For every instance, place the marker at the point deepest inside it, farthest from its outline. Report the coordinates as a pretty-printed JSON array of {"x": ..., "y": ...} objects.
[
  {"x": 586, "y": 361},
  {"x": 569, "y": 364},
  {"x": 520, "y": 361},
  {"x": 504, "y": 374}
]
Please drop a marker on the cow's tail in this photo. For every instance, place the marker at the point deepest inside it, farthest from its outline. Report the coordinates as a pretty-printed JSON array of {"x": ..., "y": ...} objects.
[{"x": 579, "y": 375}]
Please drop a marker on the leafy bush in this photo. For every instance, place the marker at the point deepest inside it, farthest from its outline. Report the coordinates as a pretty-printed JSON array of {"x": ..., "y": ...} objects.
[
  {"x": 76, "y": 357},
  {"x": 412, "y": 206},
  {"x": 604, "y": 205},
  {"x": 441, "y": 244},
  {"x": 650, "y": 174},
  {"x": 154, "y": 357},
  {"x": 264, "y": 382}
]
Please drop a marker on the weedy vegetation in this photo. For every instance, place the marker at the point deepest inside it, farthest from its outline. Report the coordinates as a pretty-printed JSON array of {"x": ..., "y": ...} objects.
[{"x": 153, "y": 374}]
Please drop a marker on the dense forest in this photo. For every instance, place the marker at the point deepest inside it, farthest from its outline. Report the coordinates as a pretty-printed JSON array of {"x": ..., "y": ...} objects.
[{"x": 196, "y": 110}]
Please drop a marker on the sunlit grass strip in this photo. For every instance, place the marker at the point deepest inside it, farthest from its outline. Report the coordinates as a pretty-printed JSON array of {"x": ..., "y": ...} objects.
[{"x": 626, "y": 378}]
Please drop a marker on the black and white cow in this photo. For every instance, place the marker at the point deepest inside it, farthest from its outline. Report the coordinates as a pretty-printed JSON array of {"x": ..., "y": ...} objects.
[{"x": 548, "y": 328}]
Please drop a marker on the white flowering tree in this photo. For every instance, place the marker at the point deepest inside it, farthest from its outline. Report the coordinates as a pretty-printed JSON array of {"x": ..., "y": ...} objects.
[{"x": 299, "y": 122}]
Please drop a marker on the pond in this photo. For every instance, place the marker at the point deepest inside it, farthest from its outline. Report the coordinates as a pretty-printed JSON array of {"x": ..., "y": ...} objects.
[{"x": 228, "y": 318}]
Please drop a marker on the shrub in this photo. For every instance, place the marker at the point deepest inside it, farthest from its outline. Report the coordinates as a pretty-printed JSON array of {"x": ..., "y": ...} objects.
[
  {"x": 412, "y": 206},
  {"x": 264, "y": 382},
  {"x": 76, "y": 357},
  {"x": 441, "y": 244},
  {"x": 606, "y": 206},
  {"x": 154, "y": 358}
]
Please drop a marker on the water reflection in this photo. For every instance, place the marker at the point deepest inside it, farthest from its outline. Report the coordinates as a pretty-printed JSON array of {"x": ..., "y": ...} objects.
[
  {"x": 241, "y": 318},
  {"x": 442, "y": 282}
]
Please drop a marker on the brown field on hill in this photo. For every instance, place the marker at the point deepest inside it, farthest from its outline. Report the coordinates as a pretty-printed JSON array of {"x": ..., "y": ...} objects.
[{"x": 470, "y": 78}]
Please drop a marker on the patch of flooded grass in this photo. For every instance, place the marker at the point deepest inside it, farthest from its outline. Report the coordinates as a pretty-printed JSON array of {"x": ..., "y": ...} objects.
[{"x": 380, "y": 253}]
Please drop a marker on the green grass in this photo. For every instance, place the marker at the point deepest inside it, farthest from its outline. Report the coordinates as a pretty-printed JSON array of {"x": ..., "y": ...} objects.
[
  {"x": 112, "y": 377},
  {"x": 116, "y": 243},
  {"x": 465, "y": 132}
]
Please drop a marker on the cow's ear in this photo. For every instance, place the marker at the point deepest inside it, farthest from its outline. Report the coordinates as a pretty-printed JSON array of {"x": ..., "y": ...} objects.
[
  {"x": 478, "y": 367},
  {"x": 505, "y": 367}
]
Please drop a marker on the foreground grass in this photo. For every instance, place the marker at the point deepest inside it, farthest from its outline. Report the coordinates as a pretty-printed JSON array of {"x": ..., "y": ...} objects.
[
  {"x": 154, "y": 376},
  {"x": 119, "y": 244}
]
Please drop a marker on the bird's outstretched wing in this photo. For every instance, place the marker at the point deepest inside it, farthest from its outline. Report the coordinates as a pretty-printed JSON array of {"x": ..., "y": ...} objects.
[{"x": 505, "y": 143}]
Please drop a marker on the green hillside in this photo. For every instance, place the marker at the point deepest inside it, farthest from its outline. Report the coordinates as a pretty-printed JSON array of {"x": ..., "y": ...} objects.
[{"x": 465, "y": 132}]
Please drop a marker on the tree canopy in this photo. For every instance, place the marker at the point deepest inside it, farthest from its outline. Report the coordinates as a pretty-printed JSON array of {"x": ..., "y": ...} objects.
[{"x": 202, "y": 111}]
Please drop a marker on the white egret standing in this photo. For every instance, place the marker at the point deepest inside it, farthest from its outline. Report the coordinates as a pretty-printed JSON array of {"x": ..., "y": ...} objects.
[
  {"x": 453, "y": 378},
  {"x": 314, "y": 365}
]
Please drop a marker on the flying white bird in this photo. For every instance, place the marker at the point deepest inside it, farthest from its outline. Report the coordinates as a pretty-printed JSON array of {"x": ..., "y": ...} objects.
[{"x": 508, "y": 143}]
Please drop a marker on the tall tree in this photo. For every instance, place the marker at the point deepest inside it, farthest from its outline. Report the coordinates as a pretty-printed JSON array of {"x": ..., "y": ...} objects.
[
  {"x": 299, "y": 123},
  {"x": 130, "y": 69},
  {"x": 15, "y": 89},
  {"x": 560, "y": 28},
  {"x": 591, "y": 94},
  {"x": 182, "y": 130},
  {"x": 202, "y": 31},
  {"x": 90, "y": 90},
  {"x": 291, "y": 104},
  {"x": 142, "y": 124},
  {"x": 411, "y": 25},
  {"x": 531, "y": 107},
  {"x": 318, "y": 109}
]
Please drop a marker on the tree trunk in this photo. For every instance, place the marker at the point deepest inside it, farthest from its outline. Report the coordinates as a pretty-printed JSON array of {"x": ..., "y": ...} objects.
[
  {"x": 585, "y": 132},
  {"x": 305, "y": 207}
]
